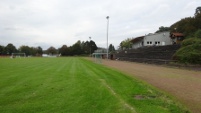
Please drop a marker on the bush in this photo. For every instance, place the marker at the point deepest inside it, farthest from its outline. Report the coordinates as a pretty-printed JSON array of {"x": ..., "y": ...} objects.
[
  {"x": 189, "y": 54},
  {"x": 190, "y": 41},
  {"x": 198, "y": 34}
]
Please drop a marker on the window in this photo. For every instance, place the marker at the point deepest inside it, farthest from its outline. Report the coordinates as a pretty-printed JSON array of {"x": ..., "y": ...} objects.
[
  {"x": 149, "y": 42},
  {"x": 157, "y": 43}
]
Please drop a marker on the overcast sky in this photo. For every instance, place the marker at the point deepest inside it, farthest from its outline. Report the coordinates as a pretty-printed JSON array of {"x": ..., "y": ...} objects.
[{"x": 48, "y": 23}]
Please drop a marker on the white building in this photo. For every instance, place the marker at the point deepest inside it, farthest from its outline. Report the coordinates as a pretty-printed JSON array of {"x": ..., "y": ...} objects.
[{"x": 156, "y": 39}]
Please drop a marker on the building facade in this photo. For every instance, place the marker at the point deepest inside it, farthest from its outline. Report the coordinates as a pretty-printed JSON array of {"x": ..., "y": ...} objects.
[{"x": 156, "y": 39}]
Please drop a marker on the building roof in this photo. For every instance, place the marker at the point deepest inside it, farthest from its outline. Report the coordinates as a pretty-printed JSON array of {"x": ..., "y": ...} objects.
[
  {"x": 137, "y": 39},
  {"x": 177, "y": 34}
]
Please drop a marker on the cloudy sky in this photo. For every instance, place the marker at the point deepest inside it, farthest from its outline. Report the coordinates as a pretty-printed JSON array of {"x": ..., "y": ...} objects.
[{"x": 48, "y": 23}]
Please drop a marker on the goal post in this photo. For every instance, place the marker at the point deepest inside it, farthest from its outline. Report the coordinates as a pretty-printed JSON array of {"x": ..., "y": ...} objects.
[
  {"x": 18, "y": 55},
  {"x": 98, "y": 57}
]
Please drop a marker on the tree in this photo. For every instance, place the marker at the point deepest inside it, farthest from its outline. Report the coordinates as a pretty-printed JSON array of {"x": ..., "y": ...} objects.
[
  {"x": 34, "y": 51},
  {"x": 186, "y": 26},
  {"x": 86, "y": 47},
  {"x": 197, "y": 11},
  {"x": 76, "y": 48},
  {"x": 52, "y": 50},
  {"x": 198, "y": 33},
  {"x": 126, "y": 44},
  {"x": 111, "y": 48},
  {"x": 39, "y": 51},
  {"x": 64, "y": 50},
  {"x": 162, "y": 29},
  {"x": 189, "y": 25},
  {"x": 10, "y": 48},
  {"x": 2, "y": 50},
  {"x": 25, "y": 49},
  {"x": 93, "y": 46},
  {"x": 89, "y": 47},
  {"x": 198, "y": 18}
]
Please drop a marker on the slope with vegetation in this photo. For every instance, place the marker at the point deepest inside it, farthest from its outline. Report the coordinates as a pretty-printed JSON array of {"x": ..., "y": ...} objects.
[{"x": 190, "y": 51}]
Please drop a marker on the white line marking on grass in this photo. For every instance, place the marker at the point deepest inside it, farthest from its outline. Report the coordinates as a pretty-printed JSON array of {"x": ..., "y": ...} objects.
[{"x": 126, "y": 105}]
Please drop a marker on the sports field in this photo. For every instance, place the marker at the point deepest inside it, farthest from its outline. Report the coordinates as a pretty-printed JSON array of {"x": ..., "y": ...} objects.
[{"x": 75, "y": 85}]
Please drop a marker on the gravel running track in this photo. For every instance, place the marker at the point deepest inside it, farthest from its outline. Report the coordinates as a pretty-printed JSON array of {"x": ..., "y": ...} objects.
[{"x": 183, "y": 84}]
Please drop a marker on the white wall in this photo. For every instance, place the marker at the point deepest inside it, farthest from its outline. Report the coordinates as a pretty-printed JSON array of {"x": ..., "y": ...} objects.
[{"x": 157, "y": 39}]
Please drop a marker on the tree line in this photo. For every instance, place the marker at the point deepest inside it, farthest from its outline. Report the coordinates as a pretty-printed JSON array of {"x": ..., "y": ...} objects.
[
  {"x": 189, "y": 25},
  {"x": 79, "y": 48}
]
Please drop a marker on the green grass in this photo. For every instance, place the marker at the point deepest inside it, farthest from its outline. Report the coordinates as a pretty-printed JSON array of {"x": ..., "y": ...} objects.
[{"x": 75, "y": 85}]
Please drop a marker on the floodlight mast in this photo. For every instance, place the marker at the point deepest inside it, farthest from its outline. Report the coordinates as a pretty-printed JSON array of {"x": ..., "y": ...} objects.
[{"x": 107, "y": 33}]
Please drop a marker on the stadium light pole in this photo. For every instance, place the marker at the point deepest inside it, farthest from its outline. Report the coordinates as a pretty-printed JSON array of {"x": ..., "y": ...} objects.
[
  {"x": 90, "y": 45},
  {"x": 107, "y": 33}
]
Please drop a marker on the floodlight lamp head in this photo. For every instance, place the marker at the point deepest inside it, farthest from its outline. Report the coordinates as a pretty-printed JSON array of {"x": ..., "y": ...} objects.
[{"x": 107, "y": 17}]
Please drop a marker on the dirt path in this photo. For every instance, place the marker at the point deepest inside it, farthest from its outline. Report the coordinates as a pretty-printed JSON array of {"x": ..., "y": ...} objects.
[{"x": 185, "y": 85}]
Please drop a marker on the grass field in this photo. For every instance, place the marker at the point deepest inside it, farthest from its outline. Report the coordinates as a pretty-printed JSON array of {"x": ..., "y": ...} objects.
[{"x": 75, "y": 85}]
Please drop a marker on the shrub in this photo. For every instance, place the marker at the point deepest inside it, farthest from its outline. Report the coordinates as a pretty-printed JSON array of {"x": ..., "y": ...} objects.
[
  {"x": 198, "y": 34},
  {"x": 191, "y": 41},
  {"x": 189, "y": 54}
]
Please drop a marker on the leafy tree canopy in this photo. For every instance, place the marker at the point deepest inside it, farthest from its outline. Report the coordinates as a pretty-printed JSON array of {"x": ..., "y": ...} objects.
[
  {"x": 10, "y": 48},
  {"x": 52, "y": 50},
  {"x": 79, "y": 48},
  {"x": 2, "y": 50},
  {"x": 197, "y": 11},
  {"x": 198, "y": 34},
  {"x": 188, "y": 25},
  {"x": 64, "y": 50},
  {"x": 111, "y": 48},
  {"x": 162, "y": 29},
  {"x": 33, "y": 51},
  {"x": 126, "y": 44},
  {"x": 39, "y": 50}
]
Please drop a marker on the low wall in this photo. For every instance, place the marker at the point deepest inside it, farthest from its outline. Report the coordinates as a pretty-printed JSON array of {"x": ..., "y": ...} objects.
[{"x": 152, "y": 54}]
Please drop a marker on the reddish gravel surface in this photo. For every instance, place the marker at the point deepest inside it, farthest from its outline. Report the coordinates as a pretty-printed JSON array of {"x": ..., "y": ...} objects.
[{"x": 184, "y": 85}]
